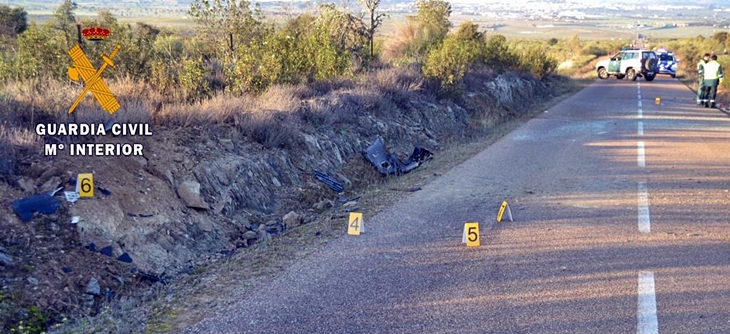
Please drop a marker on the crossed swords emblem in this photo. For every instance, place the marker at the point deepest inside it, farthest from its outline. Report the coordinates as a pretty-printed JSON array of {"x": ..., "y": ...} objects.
[{"x": 92, "y": 78}]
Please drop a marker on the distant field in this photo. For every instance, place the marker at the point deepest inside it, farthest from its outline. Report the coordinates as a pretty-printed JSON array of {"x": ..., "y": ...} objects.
[{"x": 615, "y": 29}]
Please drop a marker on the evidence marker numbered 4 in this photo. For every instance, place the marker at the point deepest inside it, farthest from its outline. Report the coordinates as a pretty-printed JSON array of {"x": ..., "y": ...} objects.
[{"x": 355, "y": 224}]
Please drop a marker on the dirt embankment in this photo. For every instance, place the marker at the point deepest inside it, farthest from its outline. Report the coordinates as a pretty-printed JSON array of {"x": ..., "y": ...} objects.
[{"x": 201, "y": 193}]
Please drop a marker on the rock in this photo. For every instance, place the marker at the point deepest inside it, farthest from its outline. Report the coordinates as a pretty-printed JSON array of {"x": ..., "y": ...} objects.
[
  {"x": 349, "y": 205},
  {"x": 48, "y": 174},
  {"x": 54, "y": 227},
  {"x": 6, "y": 259},
  {"x": 33, "y": 280},
  {"x": 50, "y": 185},
  {"x": 205, "y": 224},
  {"x": 26, "y": 184},
  {"x": 275, "y": 182},
  {"x": 292, "y": 219},
  {"x": 93, "y": 287},
  {"x": 323, "y": 204},
  {"x": 189, "y": 192},
  {"x": 249, "y": 235}
]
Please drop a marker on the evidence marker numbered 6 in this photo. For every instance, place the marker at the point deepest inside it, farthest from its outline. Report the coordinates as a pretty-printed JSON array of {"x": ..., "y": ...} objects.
[
  {"x": 85, "y": 185},
  {"x": 355, "y": 224}
]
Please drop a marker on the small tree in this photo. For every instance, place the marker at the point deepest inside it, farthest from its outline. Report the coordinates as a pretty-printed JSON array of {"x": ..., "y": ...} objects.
[
  {"x": 433, "y": 15},
  {"x": 375, "y": 21},
  {"x": 64, "y": 20},
  {"x": 13, "y": 21}
]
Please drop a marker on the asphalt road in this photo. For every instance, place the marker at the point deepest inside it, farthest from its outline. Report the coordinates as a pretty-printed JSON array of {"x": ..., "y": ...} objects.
[{"x": 621, "y": 226}]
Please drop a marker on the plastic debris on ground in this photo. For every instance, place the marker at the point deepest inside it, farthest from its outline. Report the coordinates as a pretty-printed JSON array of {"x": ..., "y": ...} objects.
[
  {"x": 388, "y": 163},
  {"x": 330, "y": 182},
  {"x": 71, "y": 196},
  {"x": 41, "y": 203}
]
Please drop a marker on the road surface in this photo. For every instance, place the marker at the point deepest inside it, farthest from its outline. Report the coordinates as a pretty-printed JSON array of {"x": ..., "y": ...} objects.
[{"x": 620, "y": 225}]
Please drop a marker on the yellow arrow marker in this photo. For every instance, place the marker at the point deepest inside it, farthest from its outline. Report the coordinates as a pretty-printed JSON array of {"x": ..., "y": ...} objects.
[
  {"x": 355, "y": 225},
  {"x": 658, "y": 101},
  {"x": 471, "y": 235},
  {"x": 502, "y": 209}
]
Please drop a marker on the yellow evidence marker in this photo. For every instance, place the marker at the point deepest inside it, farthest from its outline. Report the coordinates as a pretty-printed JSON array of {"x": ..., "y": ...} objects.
[
  {"x": 85, "y": 185},
  {"x": 658, "y": 101},
  {"x": 355, "y": 225},
  {"x": 502, "y": 209},
  {"x": 471, "y": 235}
]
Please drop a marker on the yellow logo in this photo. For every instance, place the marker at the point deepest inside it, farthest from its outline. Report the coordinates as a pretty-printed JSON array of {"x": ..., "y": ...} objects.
[{"x": 92, "y": 77}]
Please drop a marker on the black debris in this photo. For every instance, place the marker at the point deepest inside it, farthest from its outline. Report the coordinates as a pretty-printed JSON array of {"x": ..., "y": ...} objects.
[
  {"x": 106, "y": 251},
  {"x": 66, "y": 270},
  {"x": 91, "y": 247},
  {"x": 104, "y": 191},
  {"x": 41, "y": 203},
  {"x": 125, "y": 258},
  {"x": 388, "y": 163},
  {"x": 329, "y": 181}
]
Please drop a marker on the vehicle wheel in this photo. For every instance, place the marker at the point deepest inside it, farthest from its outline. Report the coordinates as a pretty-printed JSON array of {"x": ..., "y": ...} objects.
[
  {"x": 631, "y": 74},
  {"x": 602, "y": 73},
  {"x": 650, "y": 65},
  {"x": 620, "y": 76},
  {"x": 649, "y": 77},
  {"x": 673, "y": 75}
]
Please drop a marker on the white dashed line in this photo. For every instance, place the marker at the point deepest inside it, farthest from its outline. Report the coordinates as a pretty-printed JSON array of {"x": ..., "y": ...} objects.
[
  {"x": 641, "y": 113},
  {"x": 640, "y": 159},
  {"x": 640, "y": 127},
  {"x": 639, "y": 103},
  {"x": 646, "y": 310},
  {"x": 644, "y": 222}
]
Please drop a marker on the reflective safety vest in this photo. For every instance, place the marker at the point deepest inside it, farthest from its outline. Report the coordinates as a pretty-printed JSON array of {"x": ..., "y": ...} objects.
[{"x": 713, "y": 70}]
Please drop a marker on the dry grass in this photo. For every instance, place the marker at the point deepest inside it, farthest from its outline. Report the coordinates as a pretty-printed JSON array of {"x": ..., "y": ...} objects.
[{"x": 398, "y": 45}]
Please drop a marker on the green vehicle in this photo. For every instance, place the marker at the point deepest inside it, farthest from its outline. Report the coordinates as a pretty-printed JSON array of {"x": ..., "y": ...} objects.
[{"x": 630, "y": 64}]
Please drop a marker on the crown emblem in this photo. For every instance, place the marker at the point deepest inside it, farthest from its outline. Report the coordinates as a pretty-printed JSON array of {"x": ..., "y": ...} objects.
[{"x": 95, "y": 33}]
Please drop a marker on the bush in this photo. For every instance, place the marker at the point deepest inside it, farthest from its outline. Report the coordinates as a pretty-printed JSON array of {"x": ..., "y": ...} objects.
[
  {"x": 536, "y": 61},
  {"x": 449, "y": 61}
]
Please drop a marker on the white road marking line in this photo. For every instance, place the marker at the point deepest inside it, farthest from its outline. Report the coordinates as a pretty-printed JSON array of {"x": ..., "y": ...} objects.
[
  {"x": 639, "y": 103},
  {"x": 646, "y": 310},
  {"x": 641, "y": 128},
  {"x": 640, "y": 159},
  {"x": 641, "y": 113},
  {"x": 644, "y": 222},
  {"x": 639, "y": 95}
]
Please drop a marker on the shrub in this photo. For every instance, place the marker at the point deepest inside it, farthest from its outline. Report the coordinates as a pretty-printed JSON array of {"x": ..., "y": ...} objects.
[
  {"x": 449, "y": 61},
  {"x": 536, "y": 61}
]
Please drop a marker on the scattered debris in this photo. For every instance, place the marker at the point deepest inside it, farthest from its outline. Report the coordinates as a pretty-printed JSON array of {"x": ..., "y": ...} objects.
[
  {"x": 71, "y": 196},
  {"x": 106, "y": 251},
  {"x": 104, "y": 191},
  {"x": 344, "y": 179},
  {"x": 41, "y": 203},
  {"x": 50, "y": 184},
  {"x": 406, "y": 189},
  {"x": 329, "y": 181},
  {"x": 66, "y": 270},
  {"x": 75, "y": 220},
  {"x": 125, "y": 258},
  {"x": 32, "y": 280},
  {"x": 388, "y": 163}
]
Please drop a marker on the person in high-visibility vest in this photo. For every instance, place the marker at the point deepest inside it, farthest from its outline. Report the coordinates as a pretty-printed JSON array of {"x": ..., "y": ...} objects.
[
  {"x": 701, "y": 80},
  {"x": 713, "y": 77}
]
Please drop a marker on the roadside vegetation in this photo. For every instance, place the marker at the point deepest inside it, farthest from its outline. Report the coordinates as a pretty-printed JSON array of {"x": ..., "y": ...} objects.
[{"x": 691, "y": 50}]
